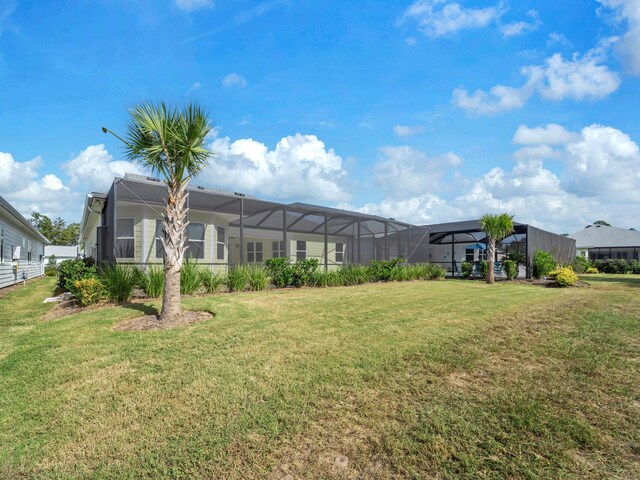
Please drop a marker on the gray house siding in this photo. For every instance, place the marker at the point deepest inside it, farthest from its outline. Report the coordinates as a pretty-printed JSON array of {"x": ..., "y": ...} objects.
[{"x": 13, "y": 234}]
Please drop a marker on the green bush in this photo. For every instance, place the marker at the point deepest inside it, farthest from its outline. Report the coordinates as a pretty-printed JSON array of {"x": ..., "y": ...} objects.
[
  {"x": 510, "y": 269},
  {"x": 466, "y": 269},
  {"x": 190, "y": 280},
  {"x": 354, "y": 274},
  {"x": 303, "y": 272},
  {"x": 150, "y": 280},
  {"x": 51, "y": 268},
  {"x": 237, "y": 279},
  {"x": 634, "y": 266},
  {"x": 327, "y": 279},
  {"x": 119, "y": 282},
  {"x": 543, "y": 263},
  {"x": 71, "y": 270},
  {"x": 87, "y": 291},
  {"x": 484, "y": 266},
  {"x": 564, "y": 276},
  {"x": 258, "y": 278},
  {"x": 580, "y": 264},
  {"x": 384, "y": 270},
  {"x": 402, "y": 273},
  {"x": 592, "y": 270},
  {"x": 612, "y": 265},
  {"x": 211, "y": 281},
  {"x": 434, "y": 271},
  {"x": 280, "y": 271}
]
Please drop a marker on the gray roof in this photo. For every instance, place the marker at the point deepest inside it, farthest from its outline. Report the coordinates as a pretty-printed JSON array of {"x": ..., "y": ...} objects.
[
  {"x": 61, "y": 251},
  {"x": 596, "y": 236},
  {"x": 13, "y": 212}
]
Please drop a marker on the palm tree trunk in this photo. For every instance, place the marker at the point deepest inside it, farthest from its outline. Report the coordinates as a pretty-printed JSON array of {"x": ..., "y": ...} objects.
[
  {"x": 175, "y": 226},
  {"x": 491, "y": 260}
]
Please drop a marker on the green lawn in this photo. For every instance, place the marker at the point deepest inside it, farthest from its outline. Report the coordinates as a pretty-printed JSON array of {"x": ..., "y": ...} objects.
[{"x": 449, "y": 379}]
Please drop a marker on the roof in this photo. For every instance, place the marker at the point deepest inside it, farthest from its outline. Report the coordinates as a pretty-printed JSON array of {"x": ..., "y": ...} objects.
[
  {"x": 601, "y": 236},
  {"x": 14, "y": 213},
  {"x": 61, "y": 251}
]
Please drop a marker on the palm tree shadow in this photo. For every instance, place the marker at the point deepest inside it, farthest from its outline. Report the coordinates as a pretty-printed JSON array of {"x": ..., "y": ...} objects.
[{"x": 142, "y": 307}]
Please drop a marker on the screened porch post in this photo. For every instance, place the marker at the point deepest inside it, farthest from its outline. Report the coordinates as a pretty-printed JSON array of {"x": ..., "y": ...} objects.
[
  {"x": 359, "y": 244},
  {"x": 241, "y": 231},
  {"x": 285, "y": 252},
  {"x": 399, "y": 242},
  {"x": 326, "y": 244},
  {"x": 408, "y": 242},
  {"x": 386, "y": 241},
  {"x": 453, "y": 254},
  {"x": 115, "y": 220},
  {"x": 526, "y": 254}
]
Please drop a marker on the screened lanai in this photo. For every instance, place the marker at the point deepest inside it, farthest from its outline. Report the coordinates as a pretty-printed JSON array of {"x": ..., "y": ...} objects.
[{"x": 360, "y": 237}]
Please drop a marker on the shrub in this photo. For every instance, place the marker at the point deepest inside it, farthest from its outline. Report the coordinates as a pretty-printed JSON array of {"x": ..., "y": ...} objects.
[
  {"x": 280, "y": 271},
  {"x": 543, "y": 263},
  {"x": 71, "y": 270},
  {"x": 384, "y": 270},
  {"x": 403, "y": 273},
  {"x": 211, "y": 281},
  {"x": 634, "y": 266},
  {"x": 87, "y": 291},
  {"x": 484, "y": 266},
  {"x": 354, "y": 274},
  {"x": 237, "y": 279},
  {"x": 592, "y": 270},
  {"x": 612, "y": 265},
  {"x": 564, "y": 276},
  {"x": 119, "y": 282},
  {"x": 151, "y": 280},
  {"x": 258, "y": 278},
  {"x": 327, "y": 279},
  {"x": 303, "y": 272},
  {"x": 580, "y": 264},
  {"x": 415, "y": 272},
  {"x": 51, "y": 267},
  {"x": 466, "y": 269},
  {"x": 434, "y": 271},
  {"x": 190, "y": 280},
  {"x": 510, "y": 269}
]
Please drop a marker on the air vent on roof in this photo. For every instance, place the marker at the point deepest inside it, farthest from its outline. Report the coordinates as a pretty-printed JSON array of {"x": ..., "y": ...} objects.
[
  {"x": 239, "y": 194},
  {"x": 200, "y": 188},
  {"x": 392, "y": 219},
  {"x": 152, "y": 179}
]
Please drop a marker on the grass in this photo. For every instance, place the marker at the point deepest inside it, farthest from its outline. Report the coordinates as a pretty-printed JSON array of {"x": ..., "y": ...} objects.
[{"x": 449, "y": 379}]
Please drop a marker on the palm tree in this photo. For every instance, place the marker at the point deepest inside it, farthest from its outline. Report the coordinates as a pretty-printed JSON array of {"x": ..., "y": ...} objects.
[
  {"x": 170, "y": 142},
  {"x": 497, "y": 228}
]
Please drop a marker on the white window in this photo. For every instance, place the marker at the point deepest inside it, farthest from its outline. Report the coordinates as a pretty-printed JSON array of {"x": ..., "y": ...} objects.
[
  {"x": 159, "y": 234},
  {"x": 254, "y": 252},
  {"x": 339, "y": 252},
  {"x": 469, "y": 255},
  {"x": 277, "y": 249},
  {"x": 482, "y": 255},
  {"x": 195, "y": 240},
  {"x": 301, "y": 250},
  {"x": 220, "y": 242},
  {"x": 125, "y": 247},
  {"x": 29, "y": 248},
  {"x": 1, "y": 245}
]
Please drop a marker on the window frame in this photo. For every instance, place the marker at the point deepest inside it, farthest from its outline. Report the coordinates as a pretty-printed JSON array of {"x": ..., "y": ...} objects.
[
  {"x": 301, "y": 253},
  {"x": 221, "y": 243},
  {"x": 2, "y": 245},
  {"x": 133, "y": 238},
  {"x": 277, "y": 248},
  {"x": 340, "y": 252},
  {"x": 190, "y": 240},
  {"x": 255, "y": 254},
  {"x": 467, "y": 252}
]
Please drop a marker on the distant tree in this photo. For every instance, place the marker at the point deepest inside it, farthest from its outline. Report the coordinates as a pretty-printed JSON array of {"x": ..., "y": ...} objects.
[
  {"x": 602, "y": 222},
  {"x": 497, "y": 228},
  {"x": 57, "y": 231}
]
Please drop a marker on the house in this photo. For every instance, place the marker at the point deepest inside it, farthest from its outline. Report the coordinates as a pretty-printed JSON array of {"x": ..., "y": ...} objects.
[
  {"x": 61, "y": 252},
  {"x": 227, "y": 228},
  {"x": 21, "y": 247},
  {"x": 602, "y": 242}
]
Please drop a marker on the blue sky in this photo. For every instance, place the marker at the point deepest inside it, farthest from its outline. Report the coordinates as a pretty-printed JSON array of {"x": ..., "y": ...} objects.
[{"x": 425, "y": 110}]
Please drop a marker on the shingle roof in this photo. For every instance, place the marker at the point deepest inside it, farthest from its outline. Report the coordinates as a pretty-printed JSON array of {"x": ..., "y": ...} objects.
[
  {"x": 12, "y": 211},
  {"x": 596, "y": 236}
]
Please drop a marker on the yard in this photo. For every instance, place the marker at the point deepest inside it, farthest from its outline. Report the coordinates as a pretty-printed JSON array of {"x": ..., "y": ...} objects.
[{"x": 446, "y": 379}]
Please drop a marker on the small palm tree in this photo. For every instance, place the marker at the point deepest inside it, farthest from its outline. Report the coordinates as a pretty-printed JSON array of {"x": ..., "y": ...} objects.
[
  {"x": 171, "y": 143},
  {"x": 497, "y": 228}
]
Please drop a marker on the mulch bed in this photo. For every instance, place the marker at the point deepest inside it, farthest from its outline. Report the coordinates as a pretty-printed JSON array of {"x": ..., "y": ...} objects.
[{"x": 152, "y": 322}]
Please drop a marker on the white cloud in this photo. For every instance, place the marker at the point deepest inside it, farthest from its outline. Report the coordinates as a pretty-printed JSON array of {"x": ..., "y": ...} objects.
[
  {"x": 557, "y": 38},
  {"x": 628, "y": 11},
  {"x": 577, "y": 78},
  {"x": 550, "y": 134},
  {"x": 299, "y": 167},
  {"x": 408, "y": 130},
  {"x": 195, "y": 86},
  {"x": 190, "y": 5},
  {"x": 515, "y": 29},
  {"x": 437, "y": 18},
  {"x": 94, "y": 168},
  {"x": 234, "y": 80}
]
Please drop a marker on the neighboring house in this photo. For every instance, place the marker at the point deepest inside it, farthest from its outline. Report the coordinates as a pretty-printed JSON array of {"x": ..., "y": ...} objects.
[
  {"x": 229, "y": 228},
  {"x": 601, "y": 242},
  {"x": 61, "y": 252},
  {"x": 21, "y": 247}
]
